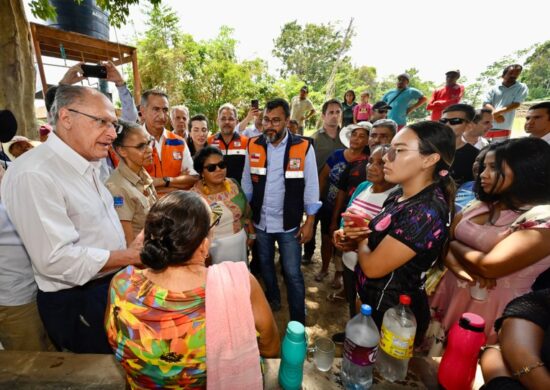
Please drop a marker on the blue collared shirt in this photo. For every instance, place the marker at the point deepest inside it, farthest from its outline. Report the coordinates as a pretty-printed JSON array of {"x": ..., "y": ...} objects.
[{"x": 271, "y": 220}]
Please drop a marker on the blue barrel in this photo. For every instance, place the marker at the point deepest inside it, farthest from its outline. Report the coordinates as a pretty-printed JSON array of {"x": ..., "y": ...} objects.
[{"x": 84, "y": 18}]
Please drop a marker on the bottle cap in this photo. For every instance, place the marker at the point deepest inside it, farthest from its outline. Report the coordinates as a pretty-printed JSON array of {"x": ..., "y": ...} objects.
[
  {"x": 404, "y": 299},
  {"x": 295, "y": 331},
  {"x": 366, "y": 310},
  {"x": 472, "y": 322}
]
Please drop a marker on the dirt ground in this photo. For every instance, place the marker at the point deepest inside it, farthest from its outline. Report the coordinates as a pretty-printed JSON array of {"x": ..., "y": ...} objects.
[{"x": 323, "y": 318}]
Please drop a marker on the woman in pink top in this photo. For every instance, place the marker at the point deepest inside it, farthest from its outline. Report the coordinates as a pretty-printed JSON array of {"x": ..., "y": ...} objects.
[{"x": 500, "y": 241}]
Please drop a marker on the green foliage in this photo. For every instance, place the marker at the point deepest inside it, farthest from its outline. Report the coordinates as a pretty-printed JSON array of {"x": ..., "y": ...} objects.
[
  {"x": 201, "y": 74},
  {"x": 118, "y": 9},
  {"x": 537, "y": 72},
  {"x": 309, "y": 51}
]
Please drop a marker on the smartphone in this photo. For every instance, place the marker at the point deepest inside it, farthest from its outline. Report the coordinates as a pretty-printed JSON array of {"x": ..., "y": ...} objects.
[
  {"x": 97, "y": 71},
  {"x": 254, "y": 103},
  {"x": 358, "y": 220}
]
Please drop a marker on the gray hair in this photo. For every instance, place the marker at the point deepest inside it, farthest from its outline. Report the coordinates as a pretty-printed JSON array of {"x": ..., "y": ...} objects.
[
  {"x": 228, "y": 106},
  {"x": 390, "y": 124},
  {"x": 155, "y": 92},
  {"x": 180, "y": 107},
  {"x": 65, "y": 96}
]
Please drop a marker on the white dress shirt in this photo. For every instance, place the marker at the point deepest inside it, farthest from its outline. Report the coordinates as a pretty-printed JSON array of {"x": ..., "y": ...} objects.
[
  {"x": 187, "y": 162},
  {"x": 63, "y": 213}
]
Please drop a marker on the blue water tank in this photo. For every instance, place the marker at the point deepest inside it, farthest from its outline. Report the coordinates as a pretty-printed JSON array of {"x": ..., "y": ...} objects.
[{"x": 84, "y": 18}]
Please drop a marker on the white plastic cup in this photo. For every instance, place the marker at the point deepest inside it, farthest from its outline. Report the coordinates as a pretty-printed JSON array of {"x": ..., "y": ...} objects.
[{"x": 478, "y": 293}]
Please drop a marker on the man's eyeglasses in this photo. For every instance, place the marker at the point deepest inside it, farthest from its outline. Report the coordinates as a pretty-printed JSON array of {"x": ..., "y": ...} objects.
[
  {"x": 453, "y": 121},
  {"x": 100, "y": 121},
  {"x": 274, "y": 121},
  {"x": 212, "y": 167},
  {"x": 393, "y": 152},
  {"x": 141, "y": 147},
  {"x": 381, "y": 111}
]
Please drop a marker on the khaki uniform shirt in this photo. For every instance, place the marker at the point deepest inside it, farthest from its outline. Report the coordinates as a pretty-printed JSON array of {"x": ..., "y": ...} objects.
[{"x": 133, "y": 194}]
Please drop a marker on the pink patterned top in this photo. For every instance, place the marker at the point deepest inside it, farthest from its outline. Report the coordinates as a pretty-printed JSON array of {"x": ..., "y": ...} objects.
[{"x": 452, "y": 297}]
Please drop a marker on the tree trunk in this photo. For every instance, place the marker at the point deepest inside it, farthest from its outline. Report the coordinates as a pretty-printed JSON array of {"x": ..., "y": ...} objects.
[{"x": 17, "y": 85}]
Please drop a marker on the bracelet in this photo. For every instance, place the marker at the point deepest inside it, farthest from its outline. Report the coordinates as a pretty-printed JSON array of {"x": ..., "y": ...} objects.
[
  {"x": 252, "y": 236},
  {"x": 527, "y": 369}
]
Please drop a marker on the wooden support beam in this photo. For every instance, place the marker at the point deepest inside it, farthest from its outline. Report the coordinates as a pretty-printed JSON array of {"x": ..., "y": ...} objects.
[{"x": 38, "y": 55}]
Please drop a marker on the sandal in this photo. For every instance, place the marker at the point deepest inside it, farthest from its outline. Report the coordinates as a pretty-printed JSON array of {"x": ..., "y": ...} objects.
[
  {"x": 334, "y": 297},
  {"x": 320, "y": 276}
]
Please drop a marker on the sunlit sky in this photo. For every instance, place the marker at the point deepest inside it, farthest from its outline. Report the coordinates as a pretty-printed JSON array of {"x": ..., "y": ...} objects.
[{"x": 433, "y": 36}]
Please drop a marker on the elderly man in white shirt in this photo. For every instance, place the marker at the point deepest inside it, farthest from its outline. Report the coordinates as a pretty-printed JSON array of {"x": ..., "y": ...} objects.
[{"x": 66, "y": 219}]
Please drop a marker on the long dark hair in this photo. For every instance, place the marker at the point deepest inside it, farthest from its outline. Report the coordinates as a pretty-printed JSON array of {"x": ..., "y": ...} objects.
[
  {"x": 435, "y": 137},
  {"x": 529, "y": 161},
  {"x": 175, "y": 227}
]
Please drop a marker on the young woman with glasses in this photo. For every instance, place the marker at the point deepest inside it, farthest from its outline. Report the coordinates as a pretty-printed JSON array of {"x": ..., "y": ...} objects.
[
  {"x": 132, "y": 188},
  {"x": 410, "y": 233},
  {"x": 233, "y": 231}
]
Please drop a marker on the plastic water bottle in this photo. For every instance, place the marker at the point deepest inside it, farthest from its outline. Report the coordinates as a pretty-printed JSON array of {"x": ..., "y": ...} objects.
[
  {"x": 396, "y": 341},
  {"x": 457, "y": 369},
  {"x": 293, "y": 354},
  {"x": 360, "y": 348}
]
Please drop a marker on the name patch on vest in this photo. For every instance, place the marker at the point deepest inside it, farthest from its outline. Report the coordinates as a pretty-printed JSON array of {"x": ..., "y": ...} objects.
[
  {"x": 237, "y": 144},
  {"x": 177, "y": 155},
  {"x": 255, "y": 157},
  {"x": 295, "y": 163}
]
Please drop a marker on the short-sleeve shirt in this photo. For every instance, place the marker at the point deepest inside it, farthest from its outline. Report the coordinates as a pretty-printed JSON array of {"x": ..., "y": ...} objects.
[
  {"x": 347, "y": 113},
  {"x": 400, "y": 104},
  {"x": 500, "y": 96},
  {"x": 420, "y": 223},
  {"x": 336, "y": 164},
  {"x": 324, "y": 146},
  {"x": 362, "y": 111},
  {"x": 133, "y": 195},
  {"x": 299, "y": 108},
  {"x": 354, "y": 174}
]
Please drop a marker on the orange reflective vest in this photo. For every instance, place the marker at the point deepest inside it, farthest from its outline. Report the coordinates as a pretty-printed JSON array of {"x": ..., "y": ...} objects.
[
  {"x": 234, "y": 153},
  {"x": 294, "y": 161},
  {"x": 169, "y": 165}
]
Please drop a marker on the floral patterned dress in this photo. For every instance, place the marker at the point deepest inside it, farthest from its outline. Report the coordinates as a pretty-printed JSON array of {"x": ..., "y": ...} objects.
[{"x": 157, "y": 335}]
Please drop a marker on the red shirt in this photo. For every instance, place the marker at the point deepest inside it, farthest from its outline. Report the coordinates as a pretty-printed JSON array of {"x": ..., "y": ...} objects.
[{"x": 443, "y": 98}]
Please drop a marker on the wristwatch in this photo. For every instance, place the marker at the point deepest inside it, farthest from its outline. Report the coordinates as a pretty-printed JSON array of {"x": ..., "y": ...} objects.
[
  {"x": 167, "y": 181},
  {"x": 252, "y": 236}
]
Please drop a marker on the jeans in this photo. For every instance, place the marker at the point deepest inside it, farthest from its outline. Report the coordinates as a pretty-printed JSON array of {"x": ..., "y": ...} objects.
[{"x": 290, "y": 258}]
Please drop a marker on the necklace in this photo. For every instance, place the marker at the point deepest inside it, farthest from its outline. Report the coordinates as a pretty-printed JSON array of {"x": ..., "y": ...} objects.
[{"x": 206, "y": 189}]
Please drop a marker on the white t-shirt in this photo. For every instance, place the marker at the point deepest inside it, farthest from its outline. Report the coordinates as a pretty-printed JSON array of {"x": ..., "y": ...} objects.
[{"x": 369, "y": 203}]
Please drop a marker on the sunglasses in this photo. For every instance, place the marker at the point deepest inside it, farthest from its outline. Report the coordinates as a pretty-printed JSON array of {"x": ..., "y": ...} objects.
[
  {"x": 382, "y": 111},
  {"x": 216, "y": 213},
  {"x": 453, "y": 121},
  {"x": 392, "y": 153},
  {"x": 212, "y": 167}
]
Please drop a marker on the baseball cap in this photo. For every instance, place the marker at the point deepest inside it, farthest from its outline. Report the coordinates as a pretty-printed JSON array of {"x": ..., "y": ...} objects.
[
  {"x": 304, "y": 88},
  {"x": 381, "y": 105},
  {"x": 405, "y": 76}
]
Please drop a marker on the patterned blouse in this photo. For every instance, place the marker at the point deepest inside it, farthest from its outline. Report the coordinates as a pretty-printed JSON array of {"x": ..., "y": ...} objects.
[
  {"x": 157, "y": 335},
  {"x": 231, "y": 204}
]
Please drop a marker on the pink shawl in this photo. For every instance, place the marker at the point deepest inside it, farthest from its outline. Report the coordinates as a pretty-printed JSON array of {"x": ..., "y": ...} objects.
[{"x": 232, "y": 354}]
